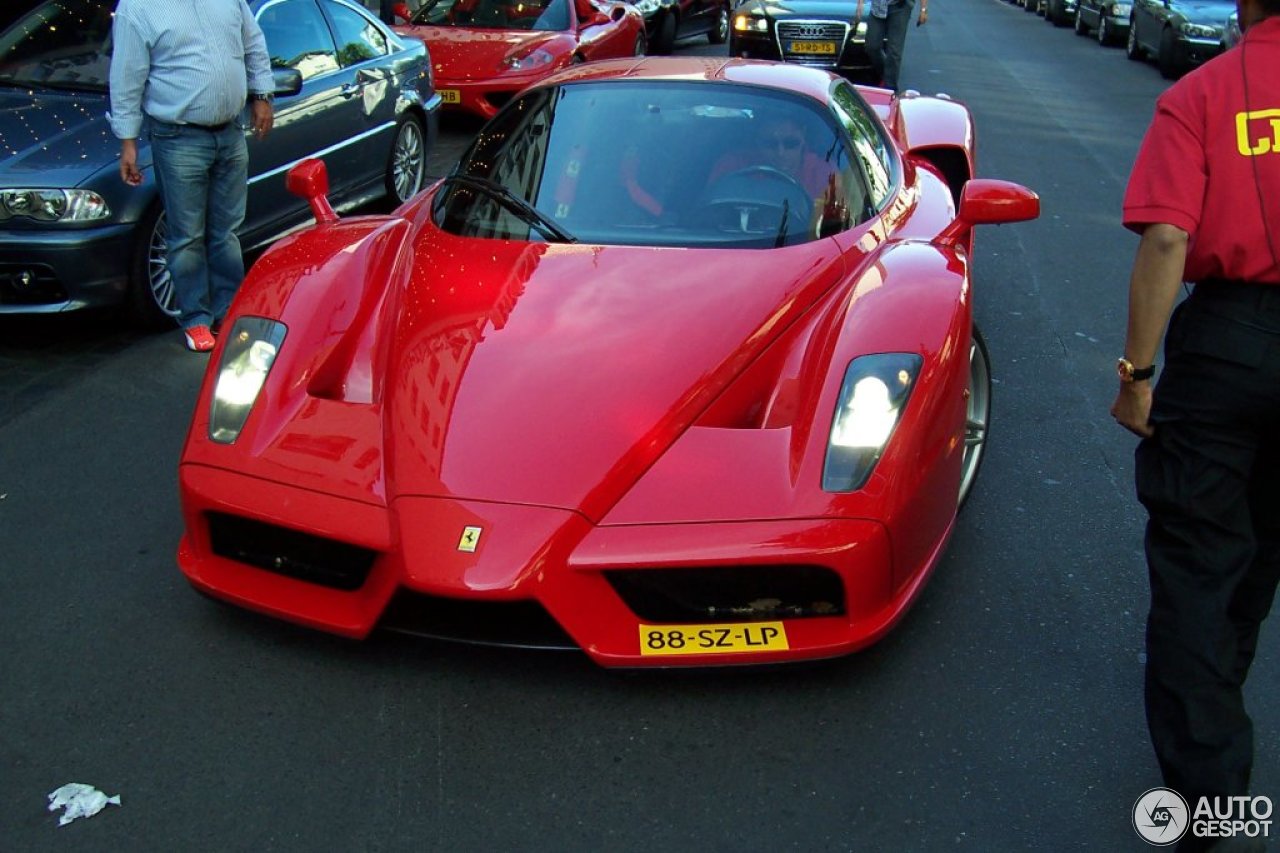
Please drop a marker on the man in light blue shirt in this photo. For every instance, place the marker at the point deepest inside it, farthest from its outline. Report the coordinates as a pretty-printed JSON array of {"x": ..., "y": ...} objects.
[{"x": 181, "y": 71}]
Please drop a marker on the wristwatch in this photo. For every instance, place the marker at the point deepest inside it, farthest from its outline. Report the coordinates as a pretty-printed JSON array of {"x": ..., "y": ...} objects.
[
  {"x": 262, "y": 96},
  {"x": 1129, "y": 373}
]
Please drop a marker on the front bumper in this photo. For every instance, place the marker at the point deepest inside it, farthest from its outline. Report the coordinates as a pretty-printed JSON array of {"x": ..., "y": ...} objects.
[
  {"x": 45, "y": 271},
  {"x": 509, "y": 561},
  {"x": 1196, "y": 51},
  {"x": 484, "y": 97}
]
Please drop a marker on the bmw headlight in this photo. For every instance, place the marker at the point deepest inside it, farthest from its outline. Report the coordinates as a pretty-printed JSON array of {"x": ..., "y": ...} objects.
[
  {"x": 875, "y": 390},
  {"x": 750, "y": 24},
  {"x": 246, "y": 360},
  {"x": 647, "y": 7},
  {"x": 1199, "y": 31},
  {"x": 53, "y": 205},
  {"x": 533, "y": 59}
]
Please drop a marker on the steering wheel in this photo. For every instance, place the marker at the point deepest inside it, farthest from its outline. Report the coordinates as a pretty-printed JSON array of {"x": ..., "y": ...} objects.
[{"x": 753, "y": 200}]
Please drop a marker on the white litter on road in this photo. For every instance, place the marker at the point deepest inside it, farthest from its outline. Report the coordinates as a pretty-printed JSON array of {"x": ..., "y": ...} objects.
[{"x": 79, "y": 801}]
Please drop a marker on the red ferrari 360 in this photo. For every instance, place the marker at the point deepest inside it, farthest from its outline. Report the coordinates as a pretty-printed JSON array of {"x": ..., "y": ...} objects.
[
  {"x": 719, "y": 408},
  {"x": 485, "y": 51}
]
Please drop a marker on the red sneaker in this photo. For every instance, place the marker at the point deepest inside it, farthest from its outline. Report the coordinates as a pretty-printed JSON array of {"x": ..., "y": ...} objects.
[{"x": 199, "y": 339}]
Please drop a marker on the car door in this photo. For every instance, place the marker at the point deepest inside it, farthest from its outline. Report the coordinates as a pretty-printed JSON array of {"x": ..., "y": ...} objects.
[
  {"x": 602, "y": 38},
  {"x": 316, "y": 122},
  {"x": 364, "y": 51}
]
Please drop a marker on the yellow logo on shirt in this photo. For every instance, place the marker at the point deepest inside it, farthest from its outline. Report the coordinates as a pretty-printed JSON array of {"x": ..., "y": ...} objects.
[{"x": 1249, "y": 147}]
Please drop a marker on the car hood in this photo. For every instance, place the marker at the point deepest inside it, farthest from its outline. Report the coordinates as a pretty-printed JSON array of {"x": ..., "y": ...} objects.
[
  {"x": 1205, "y": 14},
  {"x": 798, "y": 8},
  {"x": 460, "y": 54},
  {"x": 556, "y": 375},
  {"x": 53, "y": 139}
]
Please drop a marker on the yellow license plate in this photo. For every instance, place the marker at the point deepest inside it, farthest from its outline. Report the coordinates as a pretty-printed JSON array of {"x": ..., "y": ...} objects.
[
  {"x": 817, "y": 48},
  {"x": 450, "y": 96},
  {"x": 721, "y": 639}
]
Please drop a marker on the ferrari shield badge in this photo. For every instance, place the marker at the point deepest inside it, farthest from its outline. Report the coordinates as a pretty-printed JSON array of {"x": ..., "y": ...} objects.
[{"x": 470, "y": 539}]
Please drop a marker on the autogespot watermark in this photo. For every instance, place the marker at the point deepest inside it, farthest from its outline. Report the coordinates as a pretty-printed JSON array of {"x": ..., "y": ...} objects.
[{"x": 1162, "y": 817}]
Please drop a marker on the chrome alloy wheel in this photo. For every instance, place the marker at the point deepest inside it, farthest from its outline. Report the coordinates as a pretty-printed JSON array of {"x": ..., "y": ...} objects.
[
  {"x": 408, "y": 160},
  {"x": 159, "y": 279},
  {"x": 977, "y": 414}
]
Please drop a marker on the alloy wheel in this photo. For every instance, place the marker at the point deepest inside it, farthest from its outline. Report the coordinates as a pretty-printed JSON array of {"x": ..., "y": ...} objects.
[
  {"x": 408, "y": 161},
  {"x": 977, "y": 414}
]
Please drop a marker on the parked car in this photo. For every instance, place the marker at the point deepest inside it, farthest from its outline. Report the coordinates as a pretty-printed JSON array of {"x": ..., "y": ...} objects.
[
  {"x": 1060, "y": 12},
  {"x": 1109, "y": 19},
  {"x": 1231, "y": 31},
  {"x": 73, "y": 235},
  {"x": 485, "y": 51},
  {"x": 1180, "y": 34},
  {"x": 668, "y": 20},
  {"x": 819, "y": 33},
  {"x": 671, "y": 404}
]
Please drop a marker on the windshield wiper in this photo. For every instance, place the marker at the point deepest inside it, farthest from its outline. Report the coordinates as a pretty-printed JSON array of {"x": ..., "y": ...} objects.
[
  {"x": 524, "y": 211},
  {"x": 782, "y": 226}
]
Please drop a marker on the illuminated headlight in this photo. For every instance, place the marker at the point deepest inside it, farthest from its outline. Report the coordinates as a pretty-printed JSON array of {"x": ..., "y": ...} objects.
[
  {"x": 861, "y": 29},
  {"x": 749, "y": 24},
  {"x": 53, "y": 205},
  {"x": 535, "y": 59},
  {"x": 246, "y": 360},
  {"x": 647, "y": 7},
  {"x": 875, "y": 390},
  {"x": 1199, "y": 31},
  {"x": 1121, "y": 10}
]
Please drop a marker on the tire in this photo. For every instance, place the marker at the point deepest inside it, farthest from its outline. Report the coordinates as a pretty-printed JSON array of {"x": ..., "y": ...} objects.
[
  {"x": 152, "y": 303},
  {"x": 1169, "y": 67},
  {"x": 720, "y": 29},
  {"x": 977, "y": 415},
  {"x": 407, "y": 160},
  {"x": 664, "y": 40},
  {"x": 1131, "y": 47},
  {"x": 1104, "y": 31},
  {"x": 641, "y": 47},
  {"x": 1081, "y": 28}
]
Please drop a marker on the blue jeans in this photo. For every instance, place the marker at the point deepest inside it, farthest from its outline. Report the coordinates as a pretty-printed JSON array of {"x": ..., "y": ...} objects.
[
  {"x": 886, "y": 38},
  {"x": 204, "y": 182}
]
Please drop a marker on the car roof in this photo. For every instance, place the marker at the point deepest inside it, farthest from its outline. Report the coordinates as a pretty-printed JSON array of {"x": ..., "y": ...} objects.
[{"x": 813, "y": 82}]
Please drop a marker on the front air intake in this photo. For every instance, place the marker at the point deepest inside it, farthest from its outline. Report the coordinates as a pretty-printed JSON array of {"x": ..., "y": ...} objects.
[
  {"x": 729, "y": 593},
  {"x": 302, "y": 556}
]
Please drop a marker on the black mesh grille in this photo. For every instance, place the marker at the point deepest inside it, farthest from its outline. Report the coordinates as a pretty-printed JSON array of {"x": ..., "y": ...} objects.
[
  {"x": 799, "y": 41},
  {"x": 729, "y": 593},
  {"x": 497, "y": 623},
  {"x": 314, "y": 559}
]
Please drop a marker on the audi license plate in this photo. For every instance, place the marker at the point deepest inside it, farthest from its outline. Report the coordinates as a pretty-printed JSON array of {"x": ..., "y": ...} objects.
[
  {"x": 450, "y": 96},
  {"x": 814, "y": 48},
  {"x": 718, "y": 639}
]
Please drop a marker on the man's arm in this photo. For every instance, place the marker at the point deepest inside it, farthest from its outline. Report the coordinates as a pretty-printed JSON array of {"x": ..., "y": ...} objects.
[
  {"x": 127, "y": 77},
  {"x": 257, "y": 69},
  {"x": 1153, "y": 287}
]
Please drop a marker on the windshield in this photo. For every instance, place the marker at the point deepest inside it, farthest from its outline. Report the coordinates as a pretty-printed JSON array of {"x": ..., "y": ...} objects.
[
  {"x": 496, "y": 14},
  {"x": 668, "y": 163},
  {"x": 61, "y": 44}
]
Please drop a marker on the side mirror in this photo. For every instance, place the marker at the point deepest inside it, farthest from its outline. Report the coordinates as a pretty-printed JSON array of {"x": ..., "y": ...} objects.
[
  {"x": 310, "y": 180},
  {"x": 401, "y": 11},
  {"x": 287, "y": 81},
  {"x": 984, "y": 201}
]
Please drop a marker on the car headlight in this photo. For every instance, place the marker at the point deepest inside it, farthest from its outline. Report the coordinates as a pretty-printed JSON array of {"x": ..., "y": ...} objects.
[
  {"x": 246, "y": 360},
  {"x": 861, "y": 29},
  {"x": 647, "y": 7},
  {"x": 1121, "y": 10},
  {"x": 750, "y": 24},
  {"x": 1199, "y": 31},
  {"x": 875, "y": 390},
  {"x": 53, "y": 205},
  {"x": 533, "y": 59}
]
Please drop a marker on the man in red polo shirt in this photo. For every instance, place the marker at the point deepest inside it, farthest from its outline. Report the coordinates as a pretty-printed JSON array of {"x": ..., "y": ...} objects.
[{"x": 1205, "y": 196}]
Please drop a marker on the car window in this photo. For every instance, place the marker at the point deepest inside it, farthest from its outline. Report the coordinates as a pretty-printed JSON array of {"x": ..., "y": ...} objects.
[
  {"x": 663, "y": 164},
  {"x": 298, "y": 37},
  {"x": 496, "y": 14},
  {"x": 358, "y": 37},
  {"x": 61, "y": 44},
  {"x": 870, "y": 148}
]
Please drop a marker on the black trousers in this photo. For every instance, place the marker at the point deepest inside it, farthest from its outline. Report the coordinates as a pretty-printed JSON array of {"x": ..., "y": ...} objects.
[{"x": 1210, "y": 480}]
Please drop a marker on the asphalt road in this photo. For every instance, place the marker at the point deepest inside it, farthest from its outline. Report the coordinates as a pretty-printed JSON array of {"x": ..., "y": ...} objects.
[{"x": 1004, "y": 713}]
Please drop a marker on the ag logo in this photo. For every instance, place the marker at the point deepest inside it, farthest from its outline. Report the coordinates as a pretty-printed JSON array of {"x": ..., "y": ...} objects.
[
  {"x": 1161, "y": 816},
  {"x": 470, "y": 539}
]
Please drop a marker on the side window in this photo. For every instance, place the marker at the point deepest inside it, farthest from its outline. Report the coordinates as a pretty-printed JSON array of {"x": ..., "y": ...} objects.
[
  {"x": 359, "y": 39},
  {"x": 870, "y": 150},
  {"x": 297, "y": 37}
]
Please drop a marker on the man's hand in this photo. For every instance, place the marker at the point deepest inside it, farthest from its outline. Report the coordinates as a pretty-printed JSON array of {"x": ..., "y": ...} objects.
[
  {"x": 1132, "y": 408},
  {"x": 129, "y": 162},
  {"x": 924, "y": 15},
  {"x": 263, "y": 116}
]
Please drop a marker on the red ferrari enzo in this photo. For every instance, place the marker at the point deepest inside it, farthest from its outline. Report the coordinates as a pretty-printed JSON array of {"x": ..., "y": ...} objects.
[
  {"x": 485, "y": 51},
  {"x": 719, "y": 408}
]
